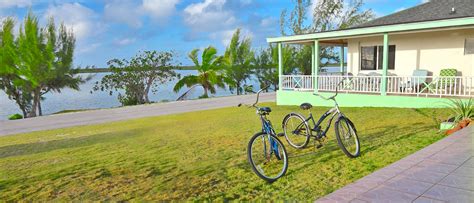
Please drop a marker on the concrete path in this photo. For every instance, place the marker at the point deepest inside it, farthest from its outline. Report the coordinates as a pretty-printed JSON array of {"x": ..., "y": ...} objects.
[
  {"x": 124, "y": 113},
  {"x": 441, "y": 172}
]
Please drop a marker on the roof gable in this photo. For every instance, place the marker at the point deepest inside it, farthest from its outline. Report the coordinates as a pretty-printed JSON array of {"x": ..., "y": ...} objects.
[{"x": 432, "y": 10}]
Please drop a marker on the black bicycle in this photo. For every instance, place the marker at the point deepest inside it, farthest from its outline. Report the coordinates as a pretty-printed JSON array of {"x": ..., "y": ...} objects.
[
  {"x": 266, "y": 153},
  {"x": 298, "y": 133}
]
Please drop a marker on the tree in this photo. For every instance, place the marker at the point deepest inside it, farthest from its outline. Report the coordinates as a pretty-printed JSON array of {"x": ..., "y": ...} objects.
[
  {"x": 40, "y": 61},
  {"x": 210, "y": 72},
  {"x": 238, "y": 58},
  {"x": 327, "y": 15},
  {"x": 266, "y": 69},
  {"x": 15, "y": 87},
  {"x": 60, "y": 54},
  {"x": 138, "y": 76}
]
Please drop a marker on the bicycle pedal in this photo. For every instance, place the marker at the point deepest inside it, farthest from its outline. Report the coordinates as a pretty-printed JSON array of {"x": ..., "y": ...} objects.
[{"x": 280, "y": 134}]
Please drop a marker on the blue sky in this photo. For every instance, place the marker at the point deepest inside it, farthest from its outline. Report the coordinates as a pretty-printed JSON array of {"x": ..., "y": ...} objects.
[{"x": 107, "y": 29}]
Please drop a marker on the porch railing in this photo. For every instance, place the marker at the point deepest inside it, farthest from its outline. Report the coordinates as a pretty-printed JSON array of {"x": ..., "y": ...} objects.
[
  {"x": 297, "y": 82},
  {"x": 461, "y": 86}
]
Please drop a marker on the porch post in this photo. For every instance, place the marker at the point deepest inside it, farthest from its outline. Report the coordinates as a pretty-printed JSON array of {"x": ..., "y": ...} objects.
[
  {"x": 312, "y": 60},
  {"x": 341, "y": 58},
  {"x": 280, "y": 66},
  {"x": 383, "y": 88},
  {"x": 316, "y": 62}
]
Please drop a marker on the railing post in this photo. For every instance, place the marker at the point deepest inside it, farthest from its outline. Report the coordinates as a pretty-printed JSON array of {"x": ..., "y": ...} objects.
[
  {"x": 280, "y": 67},
  {"x": 383, "y": 88},
  {"x": 316, "y": 62}
]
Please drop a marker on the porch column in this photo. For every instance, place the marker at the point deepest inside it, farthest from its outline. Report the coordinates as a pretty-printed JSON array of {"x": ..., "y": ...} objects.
[
  {"x": 316, "y": 62},
  {"x": 341, "y": 58},
  {"x": 280, "y": 66},
  {"x": 383, "y": 87}
]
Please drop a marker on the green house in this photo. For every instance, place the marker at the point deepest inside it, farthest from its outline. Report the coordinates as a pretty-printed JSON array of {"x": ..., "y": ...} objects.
[{"x": 415, "y": 58}]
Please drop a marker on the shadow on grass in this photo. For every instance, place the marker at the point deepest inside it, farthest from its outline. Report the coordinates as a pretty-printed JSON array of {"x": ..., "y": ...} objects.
[
  {"x": 369, "y": 142},
  {"x": 40, "y": 147}
]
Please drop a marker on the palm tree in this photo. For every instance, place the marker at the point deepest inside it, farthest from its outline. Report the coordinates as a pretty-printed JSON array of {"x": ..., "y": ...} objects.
[
  {"x": 209, "y": 72},
  {"x": 238, "y": 58}
]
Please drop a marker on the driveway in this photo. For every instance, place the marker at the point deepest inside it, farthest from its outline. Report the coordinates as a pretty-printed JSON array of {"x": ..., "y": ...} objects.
[
  {"x": 124, "y": 113},
  {"x": 441, "y": 172}
]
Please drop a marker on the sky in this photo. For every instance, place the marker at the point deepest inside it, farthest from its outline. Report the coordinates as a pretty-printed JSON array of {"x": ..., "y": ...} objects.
[{"x": 107, "y": 29}]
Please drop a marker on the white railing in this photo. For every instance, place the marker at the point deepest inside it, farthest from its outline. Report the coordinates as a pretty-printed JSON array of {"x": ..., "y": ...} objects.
[
  {"x": 297, "y": 82},
  {"x": 462, "y": 86},
  {"x": 362, "y": 84},
  {"x": 431, "y": 85}
]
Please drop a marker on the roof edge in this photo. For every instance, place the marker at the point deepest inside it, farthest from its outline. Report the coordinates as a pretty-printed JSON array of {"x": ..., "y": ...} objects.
[{"x": 453, "y": 22}]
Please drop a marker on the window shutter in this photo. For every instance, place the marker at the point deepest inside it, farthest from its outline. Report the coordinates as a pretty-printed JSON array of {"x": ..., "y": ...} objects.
[{"x": 469, "y": 46}]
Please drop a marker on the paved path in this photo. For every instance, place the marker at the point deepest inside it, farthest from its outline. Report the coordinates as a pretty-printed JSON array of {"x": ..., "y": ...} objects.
[
  {"x": 124, "y": 113},
  {"x": 441, "y": 172}
]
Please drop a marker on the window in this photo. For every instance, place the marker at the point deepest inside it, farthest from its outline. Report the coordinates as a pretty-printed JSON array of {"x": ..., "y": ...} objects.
[
  {"x": 469, "y": 46},
  {"x": 368, "y": 58},
  {"x": 372, "y": 57},
  {"x": 391, "y": 57}
]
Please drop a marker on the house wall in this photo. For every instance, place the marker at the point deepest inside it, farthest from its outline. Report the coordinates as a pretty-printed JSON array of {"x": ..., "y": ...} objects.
[{"x": 432, "y": 51}]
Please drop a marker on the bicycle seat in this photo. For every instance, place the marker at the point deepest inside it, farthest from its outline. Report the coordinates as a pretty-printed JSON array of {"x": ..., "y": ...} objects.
[
  {"x": 306, "y": 106},
  {"x": 265, "y": 109}
]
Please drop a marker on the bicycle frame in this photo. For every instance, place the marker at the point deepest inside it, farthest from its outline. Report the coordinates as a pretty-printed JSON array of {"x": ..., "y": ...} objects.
[
  {"x": 266, "y": 128},
  {"x": 317, "y": 125}
]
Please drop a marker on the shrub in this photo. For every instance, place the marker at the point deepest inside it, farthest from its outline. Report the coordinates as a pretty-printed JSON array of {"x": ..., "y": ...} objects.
[
  {"x": 15, "y": 117},
  {"x": 461, "y": 110}
]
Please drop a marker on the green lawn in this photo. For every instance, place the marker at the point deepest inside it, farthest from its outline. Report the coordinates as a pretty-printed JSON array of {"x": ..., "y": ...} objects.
[{"x": 198, "y": 156}]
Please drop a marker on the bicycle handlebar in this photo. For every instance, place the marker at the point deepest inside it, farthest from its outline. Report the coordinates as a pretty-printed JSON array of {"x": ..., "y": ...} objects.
[
  {"x": 331, "y": 97},
  {"x": 258, "y": 95}
]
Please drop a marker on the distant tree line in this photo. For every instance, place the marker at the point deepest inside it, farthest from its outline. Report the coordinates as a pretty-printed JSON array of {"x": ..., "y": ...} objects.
[{"x": 40, "y": 59}]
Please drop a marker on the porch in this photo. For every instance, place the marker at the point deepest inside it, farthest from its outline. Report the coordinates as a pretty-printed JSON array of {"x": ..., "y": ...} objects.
[
  {"x": 417, "y": 86},
  {"x": 415, "y": 65}
]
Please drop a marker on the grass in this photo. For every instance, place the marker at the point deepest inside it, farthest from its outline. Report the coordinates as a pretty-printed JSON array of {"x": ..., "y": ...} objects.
[{"x": 198, "y": 156}]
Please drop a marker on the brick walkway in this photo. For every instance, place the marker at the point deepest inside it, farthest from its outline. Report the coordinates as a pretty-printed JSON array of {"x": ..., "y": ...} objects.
[{"x": 441, "y": 172}]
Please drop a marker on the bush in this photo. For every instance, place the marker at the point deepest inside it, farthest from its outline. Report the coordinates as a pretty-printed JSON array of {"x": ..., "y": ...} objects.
[{"x": 15, "y": 117}]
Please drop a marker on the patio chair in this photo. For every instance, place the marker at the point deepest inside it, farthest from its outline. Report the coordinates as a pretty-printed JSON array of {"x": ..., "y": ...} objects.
[
  {"x": 447, "y": 77},
  {"x": 416, "y": 82}
]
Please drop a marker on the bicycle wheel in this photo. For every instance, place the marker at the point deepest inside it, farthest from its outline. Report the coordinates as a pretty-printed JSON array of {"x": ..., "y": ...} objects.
[
  {"x": 347, "y": 138},
  {"x": 267, "y": 156},
  {"x": 296, "y": 130}
]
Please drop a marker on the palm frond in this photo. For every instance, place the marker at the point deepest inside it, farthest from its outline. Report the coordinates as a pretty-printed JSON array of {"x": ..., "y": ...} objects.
[{"x": 188, "y": 80}]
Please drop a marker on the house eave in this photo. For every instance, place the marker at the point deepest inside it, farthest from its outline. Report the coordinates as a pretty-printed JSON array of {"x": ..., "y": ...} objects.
[{"x": 426, "y": 25}]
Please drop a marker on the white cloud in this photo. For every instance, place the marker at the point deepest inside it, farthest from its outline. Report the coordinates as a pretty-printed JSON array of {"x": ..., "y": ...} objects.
[
  {"x": 159, "y": 9},
  {"x": 125, "y": 41},
  {"x": 15, "y": 3},
  {"x": 89, "y": 48},
  {"x": 209, "y": 15},
  {"x": 132, "y": 12},
  {"x": 123, "y": 11},
  {"x": 82, "y": 20}
]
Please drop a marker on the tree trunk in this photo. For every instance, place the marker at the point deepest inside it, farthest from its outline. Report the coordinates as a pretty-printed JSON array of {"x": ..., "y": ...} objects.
[
  {"x": 40, "y": 111},
  {"x": 36, "y": 98},
  {"x": 205, "y": 93},
  {"x": 147, "y": 89},
  {"x": 239, "y": 91}
]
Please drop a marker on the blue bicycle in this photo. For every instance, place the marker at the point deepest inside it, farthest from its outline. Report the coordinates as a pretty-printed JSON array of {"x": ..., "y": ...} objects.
[{"x": 266, "y": 153}]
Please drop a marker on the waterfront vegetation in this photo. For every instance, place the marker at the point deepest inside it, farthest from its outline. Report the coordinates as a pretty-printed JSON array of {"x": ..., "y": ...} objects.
[
  {"x": 40, "y": 59},
  {"x": 202, "y": 159},
  {"x": 36, "y": 61}
]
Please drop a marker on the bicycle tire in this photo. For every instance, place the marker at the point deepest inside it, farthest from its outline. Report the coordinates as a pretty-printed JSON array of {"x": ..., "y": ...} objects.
[
  {"x": 351, "y": 129},
  {"x": 253, "y": 165},
  {"x": 300, "y": 119}
]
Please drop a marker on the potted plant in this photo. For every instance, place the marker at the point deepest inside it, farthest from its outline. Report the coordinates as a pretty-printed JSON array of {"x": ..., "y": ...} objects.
[{"x": 462, "y": 113}]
